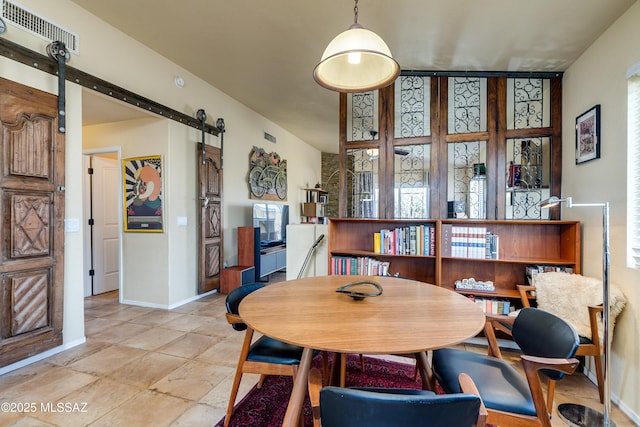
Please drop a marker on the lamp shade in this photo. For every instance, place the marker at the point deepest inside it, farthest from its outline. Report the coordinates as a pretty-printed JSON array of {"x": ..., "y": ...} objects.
[{"x": 356, "y": 60}]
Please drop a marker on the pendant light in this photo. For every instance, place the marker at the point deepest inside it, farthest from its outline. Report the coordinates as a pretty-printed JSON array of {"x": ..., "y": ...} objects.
[{"x": 356, "y": 60}]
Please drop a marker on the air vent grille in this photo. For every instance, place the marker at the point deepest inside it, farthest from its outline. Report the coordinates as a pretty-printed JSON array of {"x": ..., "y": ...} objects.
[
  {"x": 39, "y": 26},
  {"x": 269, "y": 137}
]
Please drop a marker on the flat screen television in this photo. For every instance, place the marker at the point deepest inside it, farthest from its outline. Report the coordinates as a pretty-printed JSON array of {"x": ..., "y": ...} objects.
[{"x": 272, "y": 220}]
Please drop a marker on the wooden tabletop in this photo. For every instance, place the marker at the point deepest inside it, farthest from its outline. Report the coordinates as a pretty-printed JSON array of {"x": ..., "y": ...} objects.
[{"x": 408, "y": 317}]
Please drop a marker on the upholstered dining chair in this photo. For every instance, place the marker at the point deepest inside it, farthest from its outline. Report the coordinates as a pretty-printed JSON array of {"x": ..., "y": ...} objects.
[
  {"x": 380, "y": 407},
  {"x": 548, "y": 344},
  {"x": 266, "y": 356},
  {"x": 589, "y": 346}
]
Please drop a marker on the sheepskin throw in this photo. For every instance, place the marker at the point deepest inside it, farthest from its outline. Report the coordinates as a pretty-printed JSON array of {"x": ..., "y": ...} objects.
[{"x": 568, "y": 296}]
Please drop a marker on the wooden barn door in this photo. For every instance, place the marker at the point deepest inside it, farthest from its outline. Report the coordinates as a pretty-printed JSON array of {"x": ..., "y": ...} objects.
[
  {"x": 32, "y": 232},
  {"x": 211, "y": 252}
]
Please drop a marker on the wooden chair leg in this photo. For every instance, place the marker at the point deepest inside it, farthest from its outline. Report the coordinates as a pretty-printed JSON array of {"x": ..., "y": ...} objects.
[
  {"x": 599, "y": 376},
  {"x": 234, "y": 394},
  {"x": 362, "y": 362},
  {"x": 551, "y": 389},
  {"x": 261, "y": 380},
  {"x": 244, "y": 351},
  {"x": 426, "y": 373},
  {"x": 315, "y": 385}
]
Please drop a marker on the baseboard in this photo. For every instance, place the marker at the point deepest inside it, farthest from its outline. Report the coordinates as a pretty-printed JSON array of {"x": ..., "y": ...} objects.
[
  {"x": 41, "y": 356},
  {"x": 165, "y": 306}
]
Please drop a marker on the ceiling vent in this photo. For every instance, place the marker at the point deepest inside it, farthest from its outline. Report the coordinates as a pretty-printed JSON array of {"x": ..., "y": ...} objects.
[
  {"x": 269, "y": 137},
  {"x": 39, "y": 26}
]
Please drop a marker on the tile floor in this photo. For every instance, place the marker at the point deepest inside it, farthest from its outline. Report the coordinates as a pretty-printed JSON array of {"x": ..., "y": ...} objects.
[{"x": 153, "y": 367}]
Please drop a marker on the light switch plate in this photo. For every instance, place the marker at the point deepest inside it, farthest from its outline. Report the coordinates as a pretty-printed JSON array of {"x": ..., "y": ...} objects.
[{"x": 71, "y": 225}]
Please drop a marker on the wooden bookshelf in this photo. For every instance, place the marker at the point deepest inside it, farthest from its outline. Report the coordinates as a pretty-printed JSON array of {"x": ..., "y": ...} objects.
[{"x": 521, "y": 243}]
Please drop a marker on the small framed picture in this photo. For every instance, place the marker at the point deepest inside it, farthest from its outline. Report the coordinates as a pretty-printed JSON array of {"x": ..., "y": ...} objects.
[{"x": 588, "y": 135}]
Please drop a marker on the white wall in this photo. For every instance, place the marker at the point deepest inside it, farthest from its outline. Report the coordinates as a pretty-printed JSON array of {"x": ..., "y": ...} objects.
[
  {"x": 598, "y": 77},
  {"x": 132, "y": 66},
  {"x": 145, "y": 255}
]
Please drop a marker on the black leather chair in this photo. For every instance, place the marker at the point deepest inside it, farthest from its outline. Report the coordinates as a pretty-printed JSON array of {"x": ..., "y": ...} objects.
[
  {"x": 266, "y": 356},
  {"x": 548, "y": 344},
  {"x": 379, "y": 407},
  {"x": 588, "y": 346}
]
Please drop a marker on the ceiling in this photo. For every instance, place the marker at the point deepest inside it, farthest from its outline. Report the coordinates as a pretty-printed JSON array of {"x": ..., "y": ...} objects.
[{"x": 262, "y": 53}]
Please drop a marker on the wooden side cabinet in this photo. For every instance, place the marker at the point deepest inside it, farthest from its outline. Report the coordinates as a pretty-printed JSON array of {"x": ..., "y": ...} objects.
[{"x": 236, "y": 276}]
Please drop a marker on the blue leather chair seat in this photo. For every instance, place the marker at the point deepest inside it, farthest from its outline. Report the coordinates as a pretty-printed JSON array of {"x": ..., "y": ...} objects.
[
  {"x": 346, "y": 407},
  {"x": 268, "y": 350},
  {"x": 502, "y": 388}
]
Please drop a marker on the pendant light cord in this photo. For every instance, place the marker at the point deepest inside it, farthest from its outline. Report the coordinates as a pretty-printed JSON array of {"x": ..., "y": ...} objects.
[{"x": 355, "y": 13}]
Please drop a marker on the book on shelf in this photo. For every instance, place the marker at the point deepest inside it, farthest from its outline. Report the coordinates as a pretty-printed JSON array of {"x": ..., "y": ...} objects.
[
  {"x": 493, "y": 305},
  {"x": 363, "y": 266},
  {"x": 417, "y": 240},
  {"x": 446, "y": 230},
  {"x": 492, "y": 246},
  {"x": 469, "y": 242}
]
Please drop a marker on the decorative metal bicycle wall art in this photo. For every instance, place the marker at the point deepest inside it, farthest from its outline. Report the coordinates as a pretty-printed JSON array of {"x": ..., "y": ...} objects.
[{"x": 267, "y": 175}]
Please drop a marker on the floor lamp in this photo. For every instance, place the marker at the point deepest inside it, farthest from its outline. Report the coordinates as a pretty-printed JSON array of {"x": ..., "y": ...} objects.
[{"x": 579, "y": 415}]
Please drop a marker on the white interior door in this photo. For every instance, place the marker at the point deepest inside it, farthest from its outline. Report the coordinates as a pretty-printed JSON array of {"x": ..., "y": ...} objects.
[{"x": 106, "y": 237}]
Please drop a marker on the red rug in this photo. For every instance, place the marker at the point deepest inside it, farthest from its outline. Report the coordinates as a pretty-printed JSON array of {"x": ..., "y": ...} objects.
[{"x": 265, "y": 407}]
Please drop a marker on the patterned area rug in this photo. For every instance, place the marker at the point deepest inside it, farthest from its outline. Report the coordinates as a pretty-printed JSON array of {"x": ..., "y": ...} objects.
[{"x": 265, "y": 407}]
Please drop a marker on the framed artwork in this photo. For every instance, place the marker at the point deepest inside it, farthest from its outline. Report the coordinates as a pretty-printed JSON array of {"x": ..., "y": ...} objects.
[
  {"x": 267, "y": 177},
  {"x": 588, "y": 135},
  {"x": 142, "y": 194}
]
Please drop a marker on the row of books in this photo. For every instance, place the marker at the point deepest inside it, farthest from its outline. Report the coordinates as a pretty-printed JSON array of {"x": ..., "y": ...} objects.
[
  {"x": 493, "y": 305},
  {"x": 417, "y": 240},
  {"x": 365, "y": 266},
  {"x": 533, "y": 270},
  {"x": 469, "y": 242}
]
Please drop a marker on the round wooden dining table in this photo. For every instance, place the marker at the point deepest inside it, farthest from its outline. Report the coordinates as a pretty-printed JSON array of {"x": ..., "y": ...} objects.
[{"x": 409, "y": 317}]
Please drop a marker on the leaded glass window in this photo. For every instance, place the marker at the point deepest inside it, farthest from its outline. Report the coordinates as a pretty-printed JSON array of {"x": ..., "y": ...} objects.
[
  {"x": 411, "y": 181},
  {"x": 467, "y": 104},
  {"x": 528, "y": 103},
  {"x": 362, "y": 181},
  {"x": 412, "y": 102},
  {"x": 528, "y": 175},
  {"x": 362, "y": 116},
  {"x": 467, "y": 186}
]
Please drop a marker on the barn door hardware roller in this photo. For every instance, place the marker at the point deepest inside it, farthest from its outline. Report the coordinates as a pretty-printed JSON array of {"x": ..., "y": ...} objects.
[
  {"x": 202, "y": 116},
  {"x": 220, "y": 126},
  {"x": 59, "y": 53}
]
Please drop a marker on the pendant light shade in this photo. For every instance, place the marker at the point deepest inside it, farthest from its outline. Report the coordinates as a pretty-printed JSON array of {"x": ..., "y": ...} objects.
[{"x": 356, "y": 60}]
